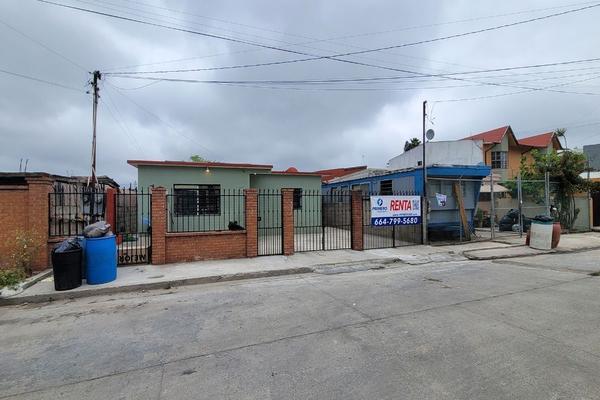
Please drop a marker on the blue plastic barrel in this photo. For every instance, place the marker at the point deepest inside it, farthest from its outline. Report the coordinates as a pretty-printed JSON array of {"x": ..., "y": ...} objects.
[{"x": 101, "y": 259}]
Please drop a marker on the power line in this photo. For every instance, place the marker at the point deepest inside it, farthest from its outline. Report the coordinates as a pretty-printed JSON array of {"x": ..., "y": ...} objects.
[
  {"x": 384, "y": 79},
  {"x": 527, "y": 90},
  {"x": 332, "y": 39},
  {"x": 51, "y": 50},
  {"x": 33, "y": 78},
  {"x": 137, "y": 87},
  {"x": 170, "y": 126},
  {"x": 406, "y": 28},
  {"x": 334, "y": 57},
  {"x": 121, "y": 122},
  {"x": 312, "y": 57},
  {"x": 102, "y": 3}
]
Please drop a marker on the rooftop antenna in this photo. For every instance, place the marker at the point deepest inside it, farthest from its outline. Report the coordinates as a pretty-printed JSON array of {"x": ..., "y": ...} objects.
[
  {"x": 20, "y": 165},
  {"x": 26, "y": 162}
]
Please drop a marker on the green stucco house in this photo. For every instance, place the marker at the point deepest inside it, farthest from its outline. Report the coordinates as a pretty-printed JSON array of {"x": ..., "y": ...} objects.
[{"x": 208, "y": 196}]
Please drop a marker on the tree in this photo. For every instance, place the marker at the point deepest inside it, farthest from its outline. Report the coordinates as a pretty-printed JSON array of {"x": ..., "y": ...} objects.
[
  {"x": 562, "y": 133},
  {"x": 564, "y": 170},
  {"x": 197, "y": 158},
  {"x": 414, "y": 142}
]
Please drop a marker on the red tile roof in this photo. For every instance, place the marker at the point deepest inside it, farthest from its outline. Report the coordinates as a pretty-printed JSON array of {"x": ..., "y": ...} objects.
[
  {"x": 208, "y": 164},
  {"x": 295, "y": 173},
  {"x": 329, "y": 174},
  {"x": 493, "y": 136},
  {"x": 542, "y": 140}
]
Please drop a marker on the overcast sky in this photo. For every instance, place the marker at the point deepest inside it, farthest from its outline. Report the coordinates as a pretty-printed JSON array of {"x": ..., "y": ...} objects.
[{"x": 306, "y": 126}]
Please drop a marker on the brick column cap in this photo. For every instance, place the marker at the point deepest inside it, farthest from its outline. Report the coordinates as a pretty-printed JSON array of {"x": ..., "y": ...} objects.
[
  {"x": 250, "y": 190},
  {"x": 39, "y": 180}
]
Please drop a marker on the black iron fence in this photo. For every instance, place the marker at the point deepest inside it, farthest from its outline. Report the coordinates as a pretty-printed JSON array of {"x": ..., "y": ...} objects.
[
  {"x": 70, "y": 211},
  {"x": 205, "y": 210},
  {"x": 270, "y": 225},
  {"x": 323, "y": 221},
  {"x": 385, "y": 236}
]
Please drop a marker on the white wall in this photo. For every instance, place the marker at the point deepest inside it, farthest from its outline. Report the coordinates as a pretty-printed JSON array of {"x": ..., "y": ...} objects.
[{"x": 455, "y": 152}]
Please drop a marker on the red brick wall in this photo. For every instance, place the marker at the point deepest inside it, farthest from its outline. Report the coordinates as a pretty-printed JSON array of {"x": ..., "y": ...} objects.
[
  {"x": 251, "y": 222},
  {"x": 287, "y": 220},
  {"x": 196, "y": 246},
  {"x": 37, "y": 207},
  {"x": 25, "y": 208},
  {"x": 13, "y": 217},
  {"x": 159, "y": 224},
  {"x": 357, "y": 220}
]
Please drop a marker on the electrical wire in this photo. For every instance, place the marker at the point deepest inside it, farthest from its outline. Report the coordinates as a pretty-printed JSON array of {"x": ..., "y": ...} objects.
[
  {"x": 384, "y": 79},
  {"x": 401, "y": 29},
  {"x": 51, "y": 50},
  {"x": 121, "y": 122},
  {"x": 312, "y": 57},
  {"x": 33, "y": 78},
  {"x": 547, "y": 88},
  {"x": 102, "y": 3},
  {"x": 335, "y": 57},
  {"x": 170, "y": 126},
  {"x": 122, "y": 127},
  {"x": 332, "y": 40}
]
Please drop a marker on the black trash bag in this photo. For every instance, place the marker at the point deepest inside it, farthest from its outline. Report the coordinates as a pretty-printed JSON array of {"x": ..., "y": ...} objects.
[
  {"x": 543, "y": 218},
  {"x": 67, "y": 245},
  {"x": 234, "y": 226},
  {"x": 96, "y": 230}
]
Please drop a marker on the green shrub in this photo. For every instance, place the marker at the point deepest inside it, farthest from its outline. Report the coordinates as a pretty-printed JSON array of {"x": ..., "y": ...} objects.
[{"x": 11, "y": 277}]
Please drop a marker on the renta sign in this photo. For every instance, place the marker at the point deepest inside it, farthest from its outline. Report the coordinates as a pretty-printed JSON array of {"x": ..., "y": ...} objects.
[{"x": 395, "y": 210}]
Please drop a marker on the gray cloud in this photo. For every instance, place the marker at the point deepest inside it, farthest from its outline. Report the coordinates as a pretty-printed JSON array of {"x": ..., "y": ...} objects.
[{"x": 309, "y": 129}]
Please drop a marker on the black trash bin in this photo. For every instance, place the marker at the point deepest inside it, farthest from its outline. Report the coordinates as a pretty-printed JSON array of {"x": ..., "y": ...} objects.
[{"x": 66, "y": 264}]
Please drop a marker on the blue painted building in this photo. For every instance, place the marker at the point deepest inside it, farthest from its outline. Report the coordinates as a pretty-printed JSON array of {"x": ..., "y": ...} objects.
[{"x": 443, "y": 217}]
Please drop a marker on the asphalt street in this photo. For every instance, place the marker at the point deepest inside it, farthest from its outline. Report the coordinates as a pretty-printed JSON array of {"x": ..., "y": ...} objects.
[{"x": 524, "y": 328}]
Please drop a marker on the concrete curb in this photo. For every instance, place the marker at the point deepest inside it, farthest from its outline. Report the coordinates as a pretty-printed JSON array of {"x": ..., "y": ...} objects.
[
  {"x": 250, "y": 275},
  {"x": 42, "y": 298},
  {"x": 539, "y": 252},
  {"x": 25, "y": 284}
]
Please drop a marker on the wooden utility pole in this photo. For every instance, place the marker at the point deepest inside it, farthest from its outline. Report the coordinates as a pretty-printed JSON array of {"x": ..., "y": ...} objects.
[
  {"x": 96, "y": 77},
  {"x": 461, "y": 209},
  {"x": 425, "y": 205}
]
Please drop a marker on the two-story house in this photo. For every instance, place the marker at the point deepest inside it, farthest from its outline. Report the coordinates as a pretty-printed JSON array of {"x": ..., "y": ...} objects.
[{"x": 502, "y": 151}]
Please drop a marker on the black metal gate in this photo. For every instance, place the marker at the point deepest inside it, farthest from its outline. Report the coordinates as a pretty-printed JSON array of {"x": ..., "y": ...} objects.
[
  {"x": 133, "y": 228},
  {"x": 270, "y": 225},
  {"x": 596, "y": 208},
  {"x": 322, "y": 221},
  {"x": 379, "y": 237}
]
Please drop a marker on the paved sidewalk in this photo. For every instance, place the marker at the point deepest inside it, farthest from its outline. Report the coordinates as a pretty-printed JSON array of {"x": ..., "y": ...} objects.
[
  {"x": 568, "y": 243},
  {"x": 147, "y": 277}
]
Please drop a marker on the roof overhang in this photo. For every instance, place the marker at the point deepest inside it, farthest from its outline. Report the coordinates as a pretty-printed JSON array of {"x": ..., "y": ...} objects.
[{"x": 193, "y": 164}]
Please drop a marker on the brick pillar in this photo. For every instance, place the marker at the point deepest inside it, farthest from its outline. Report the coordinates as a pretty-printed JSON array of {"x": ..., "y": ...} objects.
[
  {"x": 159, "y": 225},
  {"x": 251, "y": 209},
  {"x": 37, "y": 218},
  {"x": 110, "y": 212},
  {"x": 357, "y": 220},
  {"x": 287, "y": 220}
]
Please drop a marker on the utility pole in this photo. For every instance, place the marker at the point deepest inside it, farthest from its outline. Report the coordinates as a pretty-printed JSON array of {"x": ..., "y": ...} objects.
[
  {"x": 96, "y": 77},
  {"x": 425, "y": 205}
]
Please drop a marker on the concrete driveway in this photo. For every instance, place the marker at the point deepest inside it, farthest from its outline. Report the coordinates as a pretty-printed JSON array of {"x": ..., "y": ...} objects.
[{"x": 454, "y": 330}]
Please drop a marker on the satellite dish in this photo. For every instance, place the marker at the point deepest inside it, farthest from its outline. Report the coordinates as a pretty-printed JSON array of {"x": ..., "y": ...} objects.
[{"x": 430, "y": 134}]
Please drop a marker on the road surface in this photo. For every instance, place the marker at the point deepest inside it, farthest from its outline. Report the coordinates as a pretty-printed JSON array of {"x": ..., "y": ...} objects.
[{"x": 526, "y": 328}]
